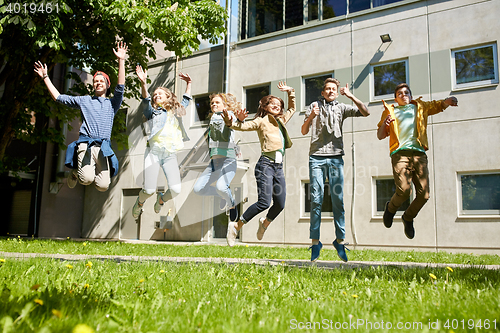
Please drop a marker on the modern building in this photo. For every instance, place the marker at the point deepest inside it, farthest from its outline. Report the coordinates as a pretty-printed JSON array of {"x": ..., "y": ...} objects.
[{"x": 440, "y": 48}]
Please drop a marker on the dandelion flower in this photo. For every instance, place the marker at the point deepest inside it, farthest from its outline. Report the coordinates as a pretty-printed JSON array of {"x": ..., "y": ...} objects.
[
  {"x": 69, "y": 266},
  {"x": 162, "y": 271},
  {"x": 89, "y": 264},
  {"x": 449, "y": 268},
  {"x": 141, "y": 280},
  {"x": 355, "y": 296},
  {"x": 57, "y": 313},
  {"x": 432, "y": 276},
  {"x": 246, "y": 245},
  {"x": 344, "y": 293},
  {"x": 84, "y": 243},
  {"x": 82, "y": 328},
  {"x": 38, "y": 301},
  {"x": 86, "y": 286},
  {"x": 2, "y": 260}
]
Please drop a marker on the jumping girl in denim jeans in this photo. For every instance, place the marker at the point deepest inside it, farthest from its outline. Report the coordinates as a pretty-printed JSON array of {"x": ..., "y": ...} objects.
[
  {"x": 165, "y": 138},
  {"x": 274, "y": 139},
  {"x": 222, "y": 167}
]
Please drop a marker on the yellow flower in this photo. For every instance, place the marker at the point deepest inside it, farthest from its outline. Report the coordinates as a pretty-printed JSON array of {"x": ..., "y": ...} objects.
[
  {"x": 38, "y": 301},
  {"x": 432, "y": 276},
  {"x": 2, "y": 260},
  {"x": 89, "y": 264},
  {"x": 69, "y": 266},
  {"x": 57, "y": 313},
  {"x": 355, "y": 296},
  {"x": 246, "y": 245},
  {"x": 141, "y": 280},
  {"x": 86, "y": 286},
  {"x": 84, "y": 244},
  {"x": 449, "y": 268},
  {"x": 82, "y": 328},
  {"x": 162, "y": 271},
  {"x": 344, "y": 293}
]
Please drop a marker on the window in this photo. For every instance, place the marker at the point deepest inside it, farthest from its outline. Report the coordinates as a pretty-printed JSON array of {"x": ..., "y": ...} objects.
[
  {"x": 333, "y": 8},
  {"x": 386, "y": 77},
  {"x": 475, "y": 66},
  {"x": 480, "y": 193},
  {"x": 313, "y": 87},
  {"x": 326, "y": 208},
  {"x": 263, "y": 16},
  {"x": 253, "y": 96},
  {"x": 202, "y": 105},
  {"x": 384, "y": 190},
  {"x": 357, "y": 5},
  {"x": 293, "y": 13},
  {"x": 259, "y": 17}
]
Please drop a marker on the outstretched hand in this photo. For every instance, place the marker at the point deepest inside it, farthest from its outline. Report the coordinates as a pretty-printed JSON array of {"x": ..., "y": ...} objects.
[
  {"x": 451, "y": 101},
  {"x": 228, "y": 119},
  {"x": 141, "y": 74},
  {"x": 40, "y": 69},
  {"x": 121, "y": 50},
  {"x": 345, "y": 91},
  {"x": 283, "y": 87},
  {"x": 242, "y": 114},
  {"x": 185, "y": 77}
]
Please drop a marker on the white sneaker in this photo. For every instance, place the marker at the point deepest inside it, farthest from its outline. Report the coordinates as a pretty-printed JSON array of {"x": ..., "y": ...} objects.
[
  {"x": 231, "y": 233},
  {"x": 137, "y": 209},
  {"x": 158, "y": 205},
  {"x": 262, "y": 230},
  {"x": 72, "y": 179}
]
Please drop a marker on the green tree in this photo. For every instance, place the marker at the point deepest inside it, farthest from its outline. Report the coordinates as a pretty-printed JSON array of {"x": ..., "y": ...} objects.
[{"x": 82, "y": 33}]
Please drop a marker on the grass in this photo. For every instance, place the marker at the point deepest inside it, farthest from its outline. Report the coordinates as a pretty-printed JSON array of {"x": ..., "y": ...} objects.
[
  {"x": 48, "y": 295},
  {"x": 258, "y": 252}
]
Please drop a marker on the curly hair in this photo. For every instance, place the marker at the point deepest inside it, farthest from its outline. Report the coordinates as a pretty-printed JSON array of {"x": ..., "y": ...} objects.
[
  {"x": 172, "y": 103},
  {"x": 264, "y": 102}
]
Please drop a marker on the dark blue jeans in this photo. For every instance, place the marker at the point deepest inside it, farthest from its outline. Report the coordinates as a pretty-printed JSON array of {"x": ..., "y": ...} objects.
[{"x": 270, "y": 186}]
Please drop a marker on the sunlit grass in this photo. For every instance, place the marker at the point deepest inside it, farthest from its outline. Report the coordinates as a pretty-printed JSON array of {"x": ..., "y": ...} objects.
[
  {"x": 48, "y": 295},
  {"x": 206, "y": 251}
]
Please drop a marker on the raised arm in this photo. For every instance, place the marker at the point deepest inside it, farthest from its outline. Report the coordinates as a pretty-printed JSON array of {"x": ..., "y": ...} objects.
[
  {"x": 143, "y": 77},
  {"x": 361, "y": 106},
  {"x": 41, "y": 69},
  {"x": 120, "y": 53},
  {"x": 186, "y": 78}
]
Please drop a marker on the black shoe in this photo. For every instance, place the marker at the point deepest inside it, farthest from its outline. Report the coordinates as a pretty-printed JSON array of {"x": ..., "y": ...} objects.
[
  {"x": 233, "y": 214},
  {"x": 409, "y": 230},
  {"x": 388, "y": 216}
]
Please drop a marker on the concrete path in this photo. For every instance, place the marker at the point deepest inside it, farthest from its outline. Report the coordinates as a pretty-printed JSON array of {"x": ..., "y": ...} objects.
[{"x": 288, "y": 262}]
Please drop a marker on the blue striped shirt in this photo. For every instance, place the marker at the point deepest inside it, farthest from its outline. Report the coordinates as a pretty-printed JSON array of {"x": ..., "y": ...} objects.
[{"x": 97, "y": 112}]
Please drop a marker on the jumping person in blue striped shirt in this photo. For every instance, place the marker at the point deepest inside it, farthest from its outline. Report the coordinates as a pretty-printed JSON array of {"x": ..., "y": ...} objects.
[{"x": 91, "y": 156}]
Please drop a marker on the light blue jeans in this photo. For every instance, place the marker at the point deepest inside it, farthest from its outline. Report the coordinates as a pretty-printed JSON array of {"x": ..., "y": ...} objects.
[
  {"x": 319, "y": 169},
  {"x": 221, "y": 171}
]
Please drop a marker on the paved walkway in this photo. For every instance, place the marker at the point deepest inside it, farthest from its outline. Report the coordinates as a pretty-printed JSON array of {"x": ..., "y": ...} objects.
[{"x": 288, "y": 262}]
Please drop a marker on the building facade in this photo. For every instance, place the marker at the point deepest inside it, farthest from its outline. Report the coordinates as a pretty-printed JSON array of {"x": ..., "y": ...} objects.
[{"x": 440, "y": 48}]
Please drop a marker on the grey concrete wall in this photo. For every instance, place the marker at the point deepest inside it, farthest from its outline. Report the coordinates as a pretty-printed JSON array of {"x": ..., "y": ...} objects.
[{"x": 462, "y": 139}]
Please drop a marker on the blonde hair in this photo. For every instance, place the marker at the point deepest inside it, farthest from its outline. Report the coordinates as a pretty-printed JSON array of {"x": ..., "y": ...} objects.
[
  {"x": 171, "y": 104},
  {"x": 229, "y": 101}
]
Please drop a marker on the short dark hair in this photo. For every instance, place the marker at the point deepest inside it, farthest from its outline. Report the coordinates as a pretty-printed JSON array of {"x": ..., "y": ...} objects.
[
  {"x": 400, "y": 86},
  {"x": 331, "y": 80}
]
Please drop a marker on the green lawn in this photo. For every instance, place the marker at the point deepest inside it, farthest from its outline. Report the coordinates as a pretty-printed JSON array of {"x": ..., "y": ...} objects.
[
  {"x": 50, "y": 295},
  {"x": 46, "y": 295}
]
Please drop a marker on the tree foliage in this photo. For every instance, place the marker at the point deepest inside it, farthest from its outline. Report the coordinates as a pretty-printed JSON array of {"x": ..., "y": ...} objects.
[{"x": 82, "y": 33}]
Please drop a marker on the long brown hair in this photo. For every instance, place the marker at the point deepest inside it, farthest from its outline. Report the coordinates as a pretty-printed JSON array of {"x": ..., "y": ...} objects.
[
  {"x": 264, "y": 102},
  {"x": 171, "y": 104}
]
